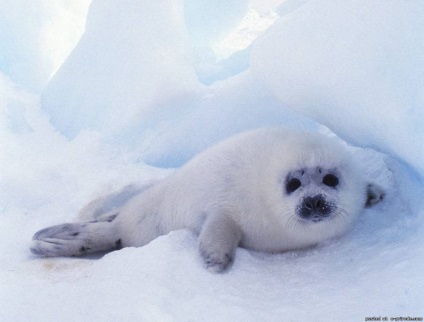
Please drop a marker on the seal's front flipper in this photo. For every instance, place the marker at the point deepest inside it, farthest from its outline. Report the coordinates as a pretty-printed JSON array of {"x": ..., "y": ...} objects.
[
  {"x": 217, "y": 242},
  {"x": 75, "y": 239}
]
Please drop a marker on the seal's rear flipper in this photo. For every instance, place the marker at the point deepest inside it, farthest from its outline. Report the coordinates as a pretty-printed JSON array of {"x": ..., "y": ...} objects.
[
  {"x": 111, "y": 203},
  {"x": 75, "y": 239}
]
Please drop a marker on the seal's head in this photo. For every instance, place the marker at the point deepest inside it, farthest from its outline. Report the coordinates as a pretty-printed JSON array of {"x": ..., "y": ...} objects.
[
  {"x": 322, "y": 190},
  {"x": 317, "y": 191}
]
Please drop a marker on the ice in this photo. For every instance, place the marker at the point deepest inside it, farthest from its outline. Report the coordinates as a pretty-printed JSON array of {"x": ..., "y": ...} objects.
[
  {"x": 225, "y": 16},
  {"x": 129, "y": 96},
  {"x": 354, "y": 66}
]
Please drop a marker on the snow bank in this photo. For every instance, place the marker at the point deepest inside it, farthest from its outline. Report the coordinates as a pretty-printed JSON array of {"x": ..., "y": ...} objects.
[
  {"x": 134, "y": 77},
  {"x": 354, "y": 66},
  {"x": 132, "y": 61},
  {"x": 137, "y": 74},
  {"x": 36, "y": 37}
]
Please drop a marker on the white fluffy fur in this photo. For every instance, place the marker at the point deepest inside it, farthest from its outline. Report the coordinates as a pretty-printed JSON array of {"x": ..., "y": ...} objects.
[{"x": 233, "y": 194}]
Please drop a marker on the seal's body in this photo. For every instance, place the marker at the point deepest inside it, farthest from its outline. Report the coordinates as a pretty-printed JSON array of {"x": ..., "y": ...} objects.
[{"x": 268, "y": 190}]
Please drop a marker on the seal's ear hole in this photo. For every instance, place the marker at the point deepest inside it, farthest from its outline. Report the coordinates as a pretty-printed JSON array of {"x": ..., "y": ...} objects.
[{"x": 375, "y": 194}]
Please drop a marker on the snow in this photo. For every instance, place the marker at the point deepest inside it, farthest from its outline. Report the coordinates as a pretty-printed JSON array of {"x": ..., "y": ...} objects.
[
  {"x": 356, "y": 71},
  {"x": 130, "y": 98},
  {"x": 36, "y": 37},
  {"x": 229, "y": 107},
  {"x": 140, "y": 68}
]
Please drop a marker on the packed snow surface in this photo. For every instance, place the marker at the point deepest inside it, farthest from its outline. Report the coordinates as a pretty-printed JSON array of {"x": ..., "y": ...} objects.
[{"x": 131, "y": 102}]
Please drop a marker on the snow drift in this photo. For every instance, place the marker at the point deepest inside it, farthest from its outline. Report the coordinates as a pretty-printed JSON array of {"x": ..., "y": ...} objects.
[
  {"x": 354, "y": 66},
  {"x": 128, "y": 64}
]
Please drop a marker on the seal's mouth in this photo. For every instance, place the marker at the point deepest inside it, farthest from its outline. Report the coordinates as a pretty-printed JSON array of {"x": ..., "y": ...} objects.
[
  {"x": 315, "y": 219},
  {"x": 318, "y": 218}
]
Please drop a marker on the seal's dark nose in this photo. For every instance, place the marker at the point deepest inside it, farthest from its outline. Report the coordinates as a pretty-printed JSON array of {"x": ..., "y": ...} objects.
[{"x": 315, "y": 208}]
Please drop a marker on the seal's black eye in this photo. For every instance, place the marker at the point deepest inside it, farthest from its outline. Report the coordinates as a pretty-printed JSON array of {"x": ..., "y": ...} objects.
[
  {"x": 330, "y": 180},
  {"x": 292, "y": 185}
]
